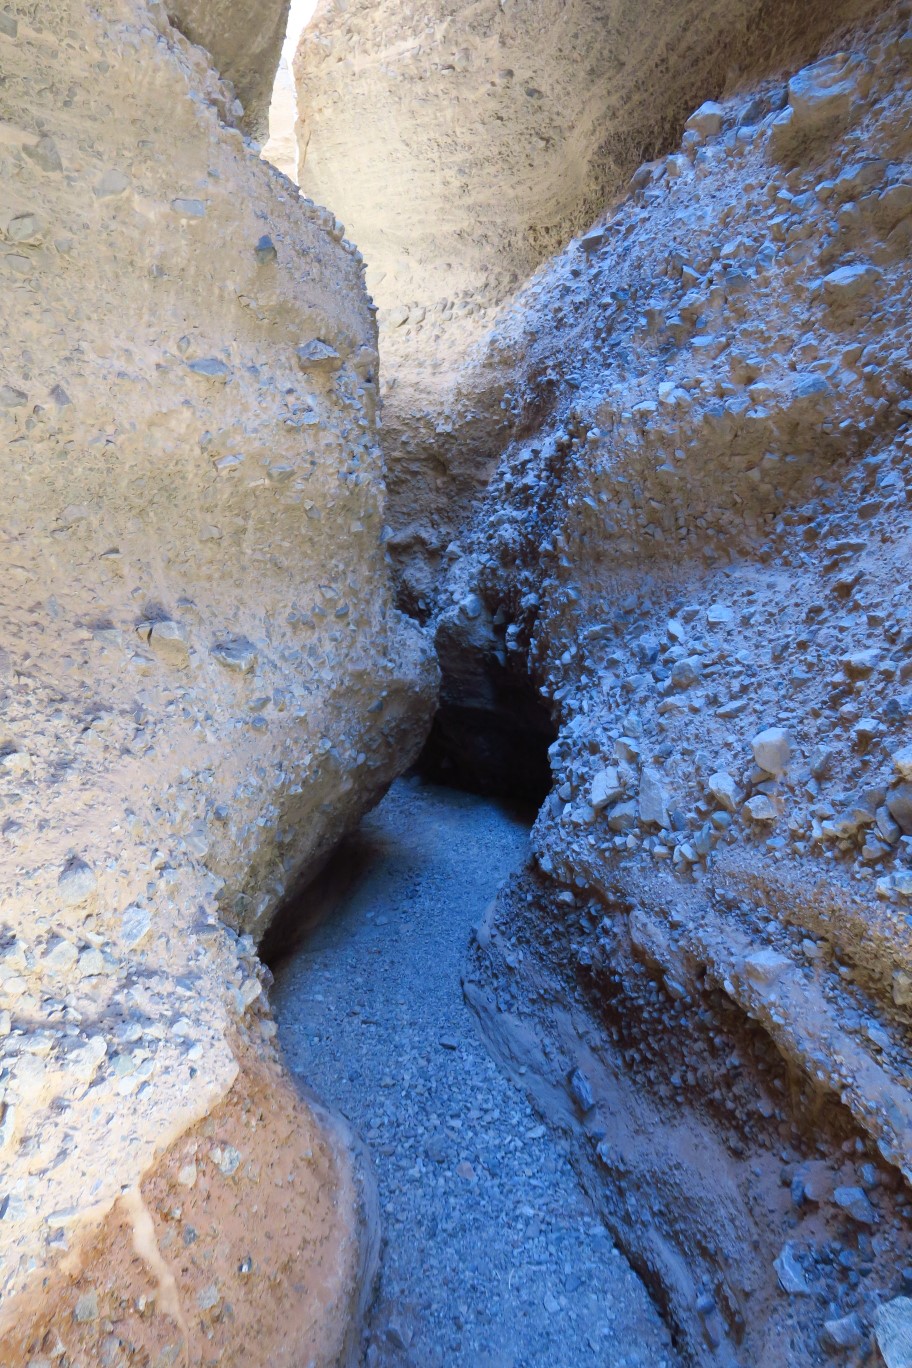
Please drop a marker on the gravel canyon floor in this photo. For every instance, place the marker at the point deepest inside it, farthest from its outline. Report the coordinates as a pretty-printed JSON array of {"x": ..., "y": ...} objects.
[{"x": 493, "y": 1258}]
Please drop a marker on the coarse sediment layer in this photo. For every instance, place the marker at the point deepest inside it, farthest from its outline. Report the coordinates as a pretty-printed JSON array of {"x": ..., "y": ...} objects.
[
  {"x": 699, "y": 553},
  {"x": 463, "y": 146},
  {"x": 696, "y": 545}
]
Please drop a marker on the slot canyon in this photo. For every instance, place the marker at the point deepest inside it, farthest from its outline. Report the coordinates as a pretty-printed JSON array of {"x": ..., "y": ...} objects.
[{"x": 456, "y": 666}]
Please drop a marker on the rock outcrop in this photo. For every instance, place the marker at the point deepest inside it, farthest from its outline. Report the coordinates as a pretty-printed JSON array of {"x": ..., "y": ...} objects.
[
  {"x": 696, "y": 545},
  {"x": 204, "y": 679},
  {"x": 245, "y": 42},
  {"x": 462, "y": 147}
]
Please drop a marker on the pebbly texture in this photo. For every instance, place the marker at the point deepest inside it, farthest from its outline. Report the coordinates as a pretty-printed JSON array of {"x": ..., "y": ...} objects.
[
  {"x": 252, "y": 1240},
  {"x": 492, "y": 1256},
  {"x": 245, "y": 42},
  {"x": 464, "y": 145},
  {"x": 696, "y": 546},
  {"x": 204, "y": 680}
]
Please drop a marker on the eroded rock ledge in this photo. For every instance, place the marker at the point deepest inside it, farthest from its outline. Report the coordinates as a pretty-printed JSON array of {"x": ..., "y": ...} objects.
[{"x": 205, "y": 682}]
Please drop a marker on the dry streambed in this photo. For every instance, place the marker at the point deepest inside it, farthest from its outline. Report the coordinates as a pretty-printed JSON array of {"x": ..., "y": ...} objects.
[{"x": 492, "y": 1255}]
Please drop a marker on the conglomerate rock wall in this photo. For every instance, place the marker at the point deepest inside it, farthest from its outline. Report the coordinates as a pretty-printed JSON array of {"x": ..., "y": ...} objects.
[
  {"x": 697, "y": 546},
  {"x": 204, "y": 680},
  {"x": 463, "y": 145}
]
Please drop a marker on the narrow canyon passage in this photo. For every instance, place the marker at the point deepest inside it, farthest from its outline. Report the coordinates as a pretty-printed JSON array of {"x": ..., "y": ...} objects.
[{"x": 493, "y": 1257}]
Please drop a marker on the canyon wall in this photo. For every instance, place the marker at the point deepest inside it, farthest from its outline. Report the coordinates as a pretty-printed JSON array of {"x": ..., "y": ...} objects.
[
  {"x": 462, "y": 147},
  {"x": 696, "y": 545},
  {"x": 205, "y": 681},
  {"x": 662, "y": 492},
  {"x": 244, "y": 43}
]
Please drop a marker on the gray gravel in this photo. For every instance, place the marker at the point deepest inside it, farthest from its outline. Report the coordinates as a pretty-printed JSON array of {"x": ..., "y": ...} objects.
[{"x": 493, "y": 1257}]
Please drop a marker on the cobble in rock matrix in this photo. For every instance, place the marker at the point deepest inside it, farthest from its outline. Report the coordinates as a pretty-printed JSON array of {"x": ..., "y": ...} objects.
[{"x": 493, "y": 1255}]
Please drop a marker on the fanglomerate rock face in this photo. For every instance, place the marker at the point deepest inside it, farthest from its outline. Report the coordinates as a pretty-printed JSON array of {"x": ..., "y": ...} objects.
[
  {"x": 667, "y": 483},
  {"x": 204, "y": 680},
  {"x": 462, "y": 146},
  {"x": 697, "y": 547},
  {"x": 245, "y": 42}
]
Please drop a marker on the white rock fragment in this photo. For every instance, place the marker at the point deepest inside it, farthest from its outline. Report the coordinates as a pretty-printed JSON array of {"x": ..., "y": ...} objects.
[
  {"x": 7, "y": 1123},
  {"x": 226, "y": 1159},
  {"x": 622, "y": 817},
  {"x": 238, "y": 654},
  {"x": 76, "y": 883},
  {"x": 44, "y": 154},
  {"x": 169, "y": 642},
  {"x": 847, "y": 285},
  {"x": 653, "y": 799},
  {"x": 719, "y": 615},
  {"x": 901, "y": 988},
  {"x": 26, "y": 229},
  {"x": 134, "y": 924},
  {"x": 15, "y": 761},
  {"x": 210, "y": 368},
  {"x": 318, "y": 355},
  {"x": 893, "y": 1331},
  {"x": 189, "y": 208},
  {"x": 790, "y": 1273},
  {"x": 772, "y": 750},
  {"x": 91, "y": 963},
  {"x": 61, "y": 956},
  {"x": 605, "y": 788},
  {"x": 707, "y": 120},
  {"x": 111, "y": 184},
  {"x": 723, "y": 790},
  {"x": 821, "y": 94},
  {"x": 759, "y": 809},
  {"x": 64, "y": 1218},
  {"x": 86, "y": 1309},
  {"x": 902, "y": 762},
  {"x": 83, "y": 1062}
]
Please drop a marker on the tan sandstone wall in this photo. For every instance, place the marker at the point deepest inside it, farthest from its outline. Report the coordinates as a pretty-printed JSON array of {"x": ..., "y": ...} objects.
[
  {"x": 244, "y": 42},
  {"x": 204, "y": 680}
]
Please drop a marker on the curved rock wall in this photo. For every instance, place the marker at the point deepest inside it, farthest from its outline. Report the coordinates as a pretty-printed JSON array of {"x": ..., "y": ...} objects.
[
  {"x": 204, "y": 679},
  {"x": 245, "y": 43}
]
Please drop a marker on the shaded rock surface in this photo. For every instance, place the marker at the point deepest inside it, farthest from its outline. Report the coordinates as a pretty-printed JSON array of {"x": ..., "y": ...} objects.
[
  {"x": 696, "y": 545},
  {"x": 204, "y": 680},
  {"x": 245, "y": 42}
]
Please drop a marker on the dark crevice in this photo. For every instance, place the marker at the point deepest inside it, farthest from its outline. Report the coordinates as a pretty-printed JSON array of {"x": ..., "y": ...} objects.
[
  {"x": 307, "y": 907},
  {"x": 500, "y": 751},
  {"x": 492, "y": 729}
]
